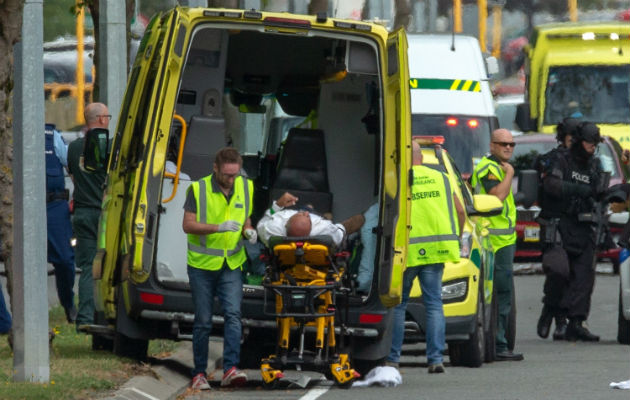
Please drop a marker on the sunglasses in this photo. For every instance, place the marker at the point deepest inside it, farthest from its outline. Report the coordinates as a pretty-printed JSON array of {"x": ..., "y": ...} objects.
[{"x": 505, "y": 144}]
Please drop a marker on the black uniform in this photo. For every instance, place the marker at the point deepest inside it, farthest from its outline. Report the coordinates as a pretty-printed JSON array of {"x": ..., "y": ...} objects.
[{"x": 570, "y": 189}]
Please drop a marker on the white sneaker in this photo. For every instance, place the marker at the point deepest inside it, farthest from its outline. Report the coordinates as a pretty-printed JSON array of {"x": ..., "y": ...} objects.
[
  {"x": 234, "y": 377},
  {"x": 199, "y": 382}
]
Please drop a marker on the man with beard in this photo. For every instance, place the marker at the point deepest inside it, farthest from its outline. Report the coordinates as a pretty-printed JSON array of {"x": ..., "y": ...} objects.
[{"x": 573, "y": 182}]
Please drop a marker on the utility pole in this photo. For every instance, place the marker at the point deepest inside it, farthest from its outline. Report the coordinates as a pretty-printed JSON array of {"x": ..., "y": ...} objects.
[
  {"x": 457, "y": 16},
  {"x": 482, "y": 5},
  {"x": 573, "y": 12},
  {"x": 497, "y": 18},
  {"x": 112, "y": 77},
  {"x": 80, "y": 75},
  {"x": 31, "y": 361}
]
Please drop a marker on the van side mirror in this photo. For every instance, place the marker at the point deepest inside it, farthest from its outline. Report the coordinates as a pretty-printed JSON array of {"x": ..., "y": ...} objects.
[
  {"x": 492, "y": 64},
  {"x": 527, "y": 193},
  {"x": 485, "y": 205},
  {"x": 96, "y": 150},
  {"x": 523, "y": 119}
]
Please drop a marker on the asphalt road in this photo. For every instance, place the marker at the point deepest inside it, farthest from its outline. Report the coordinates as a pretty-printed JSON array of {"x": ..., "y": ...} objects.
[{"x": 551, "y": 370}]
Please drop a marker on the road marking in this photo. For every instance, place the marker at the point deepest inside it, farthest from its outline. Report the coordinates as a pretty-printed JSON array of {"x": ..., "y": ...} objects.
[
  {"x": 146, "y": 395},
  {"x": 314, "y": 393}
]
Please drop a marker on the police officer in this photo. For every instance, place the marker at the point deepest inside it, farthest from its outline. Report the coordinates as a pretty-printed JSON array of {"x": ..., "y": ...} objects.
[
  {"x": 573, "y": 182},
  {"x": 555, "y": 260},
  {"x": 493, "y": 175},
  {"x": 60, "y": 252}
]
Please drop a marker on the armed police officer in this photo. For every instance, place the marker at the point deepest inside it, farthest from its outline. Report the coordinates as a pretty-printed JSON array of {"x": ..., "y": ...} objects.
[
  {"x": 555, "y": 261},
  {"x": 574, "y": 182}
]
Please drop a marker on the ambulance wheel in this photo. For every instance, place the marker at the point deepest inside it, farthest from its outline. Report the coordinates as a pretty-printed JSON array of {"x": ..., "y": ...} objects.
[
  {"x": 623, "y": 325},
  {"x": 271, "y": 385}
]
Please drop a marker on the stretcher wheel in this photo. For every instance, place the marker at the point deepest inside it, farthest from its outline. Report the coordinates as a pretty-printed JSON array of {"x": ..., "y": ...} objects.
[{"x": 271, "y": 385}]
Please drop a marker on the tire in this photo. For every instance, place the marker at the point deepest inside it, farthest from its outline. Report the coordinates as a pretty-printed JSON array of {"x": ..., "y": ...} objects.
[
  {"x": 255, "y": 348},
  {"x": 365, "y": 366},
  {"x": 491, "y": 331},
  {"x": 510, "y": 332},
  {"x": 101, "y": 342},
  {"x": 455, "y": 353},
  {"x": 473, "y": 351},
  {"x": 125, "y": 346},
  {"x": 615, "y": 265},
  {"x": 623, "y": 325}
]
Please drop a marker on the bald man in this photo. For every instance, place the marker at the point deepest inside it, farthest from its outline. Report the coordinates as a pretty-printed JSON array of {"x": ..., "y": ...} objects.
[
  {"x": 279, "y": 221},
  {"x": 493, "y": 175},
  {"x": 87, "y": 196}
]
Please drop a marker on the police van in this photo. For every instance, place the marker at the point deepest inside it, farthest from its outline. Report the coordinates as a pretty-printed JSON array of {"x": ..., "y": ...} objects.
[{"x": 209, "y": 78}]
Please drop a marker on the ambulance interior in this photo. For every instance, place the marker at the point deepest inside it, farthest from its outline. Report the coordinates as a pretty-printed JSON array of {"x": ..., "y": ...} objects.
[{"x": 303, "y": 110}]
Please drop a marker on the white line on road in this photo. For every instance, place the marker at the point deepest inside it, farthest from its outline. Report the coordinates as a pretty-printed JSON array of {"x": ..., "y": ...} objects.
[{"x": 314, "y": 393}]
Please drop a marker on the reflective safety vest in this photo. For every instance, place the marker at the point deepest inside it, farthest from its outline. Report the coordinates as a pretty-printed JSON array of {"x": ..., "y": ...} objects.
[
  {"x": 434, "y": 236},
  {"x": 502, "y": 227},
  {"x": 210, "y": 251}
]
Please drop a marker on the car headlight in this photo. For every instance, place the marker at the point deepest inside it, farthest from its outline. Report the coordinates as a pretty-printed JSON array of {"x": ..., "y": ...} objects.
[
  {"x": 455, "y": 290},
  {"x": 465, "y": 245}
]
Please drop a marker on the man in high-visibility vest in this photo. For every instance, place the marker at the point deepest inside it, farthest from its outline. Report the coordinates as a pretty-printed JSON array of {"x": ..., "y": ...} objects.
[
  {"x": 437, "y": 220},
  {"x": 217, "y": 218},
  {"x": 493, "y": 175}
]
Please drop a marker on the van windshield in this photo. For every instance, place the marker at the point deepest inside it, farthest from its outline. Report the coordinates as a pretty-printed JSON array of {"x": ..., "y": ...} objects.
[
  {"x": 599, "y": 94},
  {"x": 465, "y": 137}
]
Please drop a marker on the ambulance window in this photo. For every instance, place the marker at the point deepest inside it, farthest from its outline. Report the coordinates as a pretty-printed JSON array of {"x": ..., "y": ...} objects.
[{"x": 392, "y": 59}]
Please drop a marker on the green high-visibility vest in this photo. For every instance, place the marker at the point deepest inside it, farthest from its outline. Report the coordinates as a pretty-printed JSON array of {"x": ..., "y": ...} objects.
[
  {"x": 434, "y": 236},
  {"x": 210, "y": 251},
  {"x": 502, "y": 227}
]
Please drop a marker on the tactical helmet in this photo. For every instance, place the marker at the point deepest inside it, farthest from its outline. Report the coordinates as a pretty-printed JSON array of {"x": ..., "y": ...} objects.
[
  {"x": 588, "y": 132},
  {"x": 568, "y": 126}
]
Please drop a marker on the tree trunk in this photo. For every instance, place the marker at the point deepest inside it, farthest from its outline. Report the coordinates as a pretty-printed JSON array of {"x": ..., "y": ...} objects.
[
  {"x": 403, "y": 14},
  {"x": 11, "y": 32}
]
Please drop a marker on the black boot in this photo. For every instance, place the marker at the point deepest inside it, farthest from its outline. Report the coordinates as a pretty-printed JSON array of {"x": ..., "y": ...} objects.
[
  {"x": 544, "y": 322},
  {"x": 561, "y": 329},
  {"x": 577, "y": 331}
]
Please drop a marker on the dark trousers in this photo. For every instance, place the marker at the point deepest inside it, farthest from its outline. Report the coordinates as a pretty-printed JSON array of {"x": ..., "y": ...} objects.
[
  {"x": 504, "y": 284},
  {"x": 85, "y": 224},
  {"x": 577, "y": 296},
  {"x": 60, "y": 252}
]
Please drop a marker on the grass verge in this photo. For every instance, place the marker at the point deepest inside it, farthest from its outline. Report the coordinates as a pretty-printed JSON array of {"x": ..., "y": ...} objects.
[{"x": 76, "y": 371}]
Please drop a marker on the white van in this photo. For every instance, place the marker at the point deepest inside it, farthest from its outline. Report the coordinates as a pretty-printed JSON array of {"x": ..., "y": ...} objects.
[{"x": 450, "y": 94}]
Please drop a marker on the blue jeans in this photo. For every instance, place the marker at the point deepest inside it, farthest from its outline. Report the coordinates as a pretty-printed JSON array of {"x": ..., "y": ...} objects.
[
  {"x": 503, "y": 283},
  {"x": 227, "y": 285},
  {"x": 5, "y": 316},
  {"x": 430, "y": 277}
]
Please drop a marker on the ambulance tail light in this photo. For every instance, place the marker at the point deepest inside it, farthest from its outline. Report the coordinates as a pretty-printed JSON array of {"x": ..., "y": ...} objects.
[
  {"x": 287, "y": 22},
  {"x": 370, "y": 318},
  {"x": 426, "y": 140},
  {"x": 452, "y": 121},
  {"x": 473, "y": 123},
  {"x": 151, "y": 298}
]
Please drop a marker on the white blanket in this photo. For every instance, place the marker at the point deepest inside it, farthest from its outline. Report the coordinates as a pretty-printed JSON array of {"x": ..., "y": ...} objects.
[{"x": 381, "y": 376}]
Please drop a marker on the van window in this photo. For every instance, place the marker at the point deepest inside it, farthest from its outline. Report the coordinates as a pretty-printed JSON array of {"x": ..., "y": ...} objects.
[
  {"x": 599, "y": 94},
  {"x": 466, "y": 137}
]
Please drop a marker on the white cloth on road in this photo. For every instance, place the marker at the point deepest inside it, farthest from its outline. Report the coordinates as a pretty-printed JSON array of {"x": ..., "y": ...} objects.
[
  {"x": 382, "y": 376},
  {"x": 620, "y": 385}
]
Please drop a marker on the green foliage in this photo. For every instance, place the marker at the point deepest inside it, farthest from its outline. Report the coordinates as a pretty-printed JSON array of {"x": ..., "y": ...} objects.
[
  {"x": 149, "y": 8},
  {"x": 76, "y": 371},
  {"x": 59, "y": 19}
]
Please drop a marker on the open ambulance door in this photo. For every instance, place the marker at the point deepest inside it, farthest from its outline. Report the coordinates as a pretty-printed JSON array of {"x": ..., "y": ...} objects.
[
  {"x": 138, "y": 154},
  {"x": 395, "y": 201}
]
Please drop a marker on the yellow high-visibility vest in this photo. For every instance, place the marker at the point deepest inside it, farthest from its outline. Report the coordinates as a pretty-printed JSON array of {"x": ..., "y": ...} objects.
[
  {"x": 434, "y": 236},
  {"x": 210, "y": 251},
  {"x": 502, "y": 227}
]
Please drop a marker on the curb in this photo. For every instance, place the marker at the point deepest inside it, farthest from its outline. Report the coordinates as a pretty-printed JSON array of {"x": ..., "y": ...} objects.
[{"x": 171, "y": 376}]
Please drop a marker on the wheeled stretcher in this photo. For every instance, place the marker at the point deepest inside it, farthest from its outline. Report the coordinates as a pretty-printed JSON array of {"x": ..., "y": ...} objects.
[{"x": 304, "y": 278}]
